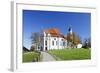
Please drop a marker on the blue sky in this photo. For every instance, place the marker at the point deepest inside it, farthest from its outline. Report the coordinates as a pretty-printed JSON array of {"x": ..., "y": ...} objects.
[{"x": 35, "y": 21}]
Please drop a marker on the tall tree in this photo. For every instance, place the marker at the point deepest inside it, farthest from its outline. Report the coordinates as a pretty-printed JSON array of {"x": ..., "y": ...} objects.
[
  {"x": 69, "y": 40},
  {"x": 35, "y": 38},
  {"x": 76, "y": 39},
  {"x": 87, "y": 43},
  {"x": 73, "y": 39},
  {"x": 32, "y": 48}
]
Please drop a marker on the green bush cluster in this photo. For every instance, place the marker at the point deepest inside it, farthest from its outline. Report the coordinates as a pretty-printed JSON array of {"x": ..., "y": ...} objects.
[{"x": 31, "y": 57}]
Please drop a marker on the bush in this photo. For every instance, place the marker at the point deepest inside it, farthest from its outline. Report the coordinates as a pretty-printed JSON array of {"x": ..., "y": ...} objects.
[{"x": 31, "y": 57}]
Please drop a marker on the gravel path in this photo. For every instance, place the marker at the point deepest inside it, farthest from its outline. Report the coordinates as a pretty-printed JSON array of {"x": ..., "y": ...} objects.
[{"x": 47, "y": 57}]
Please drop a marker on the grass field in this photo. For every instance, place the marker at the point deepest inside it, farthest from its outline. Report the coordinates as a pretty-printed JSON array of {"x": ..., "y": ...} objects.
[
  {"x": 71, "y": 54},
  {"x": 30, "y": 56}
]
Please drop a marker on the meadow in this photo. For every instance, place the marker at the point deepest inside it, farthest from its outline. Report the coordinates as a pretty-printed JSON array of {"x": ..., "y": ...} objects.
[{"x": 71, "y": 54}]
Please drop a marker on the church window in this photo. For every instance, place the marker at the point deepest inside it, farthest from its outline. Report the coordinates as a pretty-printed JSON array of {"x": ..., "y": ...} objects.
[
  {"x": 53, "y": 43},
  {"x": 45, "y": 42},
  {"x": 56, "y": 42},
  {"x": 54, "y": 38}
]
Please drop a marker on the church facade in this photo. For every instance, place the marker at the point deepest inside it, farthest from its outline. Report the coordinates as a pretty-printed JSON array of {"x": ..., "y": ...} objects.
[{"x": 53, "y": 39}]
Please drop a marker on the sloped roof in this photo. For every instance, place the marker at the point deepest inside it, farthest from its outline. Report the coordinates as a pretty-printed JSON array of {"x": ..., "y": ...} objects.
[
  {"x": 25, "y": 49},
  {"x": 54, "y": 32}
]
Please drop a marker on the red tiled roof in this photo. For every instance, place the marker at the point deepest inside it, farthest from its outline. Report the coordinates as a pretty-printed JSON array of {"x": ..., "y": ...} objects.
[{"x": 54, "y": 32}]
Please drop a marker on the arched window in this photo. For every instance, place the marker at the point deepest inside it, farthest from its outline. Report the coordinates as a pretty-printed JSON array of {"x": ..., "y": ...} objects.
[
  {"x": 56, "y": 43},
  {"x": 53, "y": 43},
  {"x": 45, "y": 42},
  {"x": 63, "y": 43}
]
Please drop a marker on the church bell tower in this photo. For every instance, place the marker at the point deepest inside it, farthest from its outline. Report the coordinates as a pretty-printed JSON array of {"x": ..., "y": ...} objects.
[{"x": 70, "y": 29}]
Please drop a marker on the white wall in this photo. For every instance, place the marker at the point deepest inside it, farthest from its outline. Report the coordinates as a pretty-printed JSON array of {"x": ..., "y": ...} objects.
[
  {"x": 5, "y": 38},
  {"x": 58, "y": 45}
]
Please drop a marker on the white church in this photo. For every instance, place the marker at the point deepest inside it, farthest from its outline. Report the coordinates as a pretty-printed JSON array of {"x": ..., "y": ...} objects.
[{"x": 53, "y": 39}]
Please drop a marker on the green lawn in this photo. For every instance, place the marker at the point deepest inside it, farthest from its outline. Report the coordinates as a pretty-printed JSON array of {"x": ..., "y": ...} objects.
[
  {"x": 30, "y": 56},
  {"x": 71, "y": 54}
]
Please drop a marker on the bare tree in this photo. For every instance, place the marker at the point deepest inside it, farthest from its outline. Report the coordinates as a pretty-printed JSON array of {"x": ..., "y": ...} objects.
[
  {"x": 32, "y": 48},
  {"x": 35, "y": 39}
]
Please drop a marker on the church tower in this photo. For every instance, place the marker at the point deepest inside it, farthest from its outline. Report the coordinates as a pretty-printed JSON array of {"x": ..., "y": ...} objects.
[{"x": 70, "y": 29}]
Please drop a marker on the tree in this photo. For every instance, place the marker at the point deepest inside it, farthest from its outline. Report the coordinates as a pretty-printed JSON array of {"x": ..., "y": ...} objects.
[
  {"x": 73, "y": 40},
  {"x": 32, "y": 48},
  {"x": 69, "y": 40},
  {"x": 76, "y": 39},
  {"x": 35, "y": 38},
  {"x": 87, "y": 43}
]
